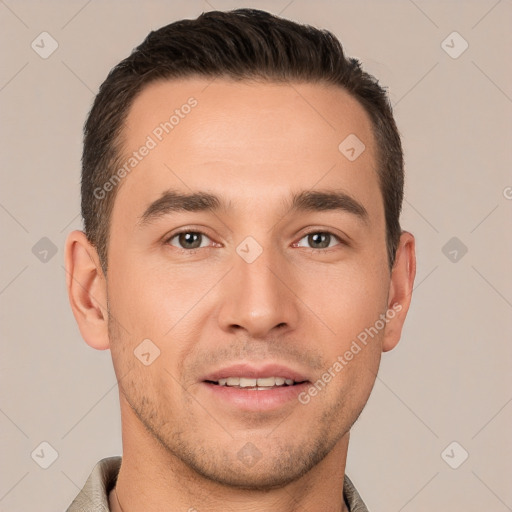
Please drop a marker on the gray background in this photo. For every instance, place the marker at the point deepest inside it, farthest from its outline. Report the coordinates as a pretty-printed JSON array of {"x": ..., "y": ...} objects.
[{"x": 448, "y": 380}]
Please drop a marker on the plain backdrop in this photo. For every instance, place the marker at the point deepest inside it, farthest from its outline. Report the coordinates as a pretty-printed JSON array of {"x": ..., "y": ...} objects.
[{"x": 443, "y": 394}]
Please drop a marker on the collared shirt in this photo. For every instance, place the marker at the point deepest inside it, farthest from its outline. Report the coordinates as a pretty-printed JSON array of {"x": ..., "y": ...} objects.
[{"x": 94, "y": 495}]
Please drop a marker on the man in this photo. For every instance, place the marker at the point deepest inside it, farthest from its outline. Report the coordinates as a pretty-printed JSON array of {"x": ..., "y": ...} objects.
[{"x": 242, "y": 260}]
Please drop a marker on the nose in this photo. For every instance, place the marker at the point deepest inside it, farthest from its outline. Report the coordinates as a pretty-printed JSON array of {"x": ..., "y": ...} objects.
[{"x": 258, "y": 296}]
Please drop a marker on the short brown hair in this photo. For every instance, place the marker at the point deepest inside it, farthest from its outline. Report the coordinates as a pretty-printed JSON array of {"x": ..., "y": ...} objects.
[{"x": 239, "y": 44}]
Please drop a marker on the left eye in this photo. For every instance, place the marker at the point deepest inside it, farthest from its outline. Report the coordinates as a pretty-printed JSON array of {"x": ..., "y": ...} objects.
[
  {"x": 319, "y": 240},
  {"x": 189, "y": 240}
]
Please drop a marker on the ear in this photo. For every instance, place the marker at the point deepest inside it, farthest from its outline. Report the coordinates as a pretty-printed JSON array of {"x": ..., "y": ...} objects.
[
  {"x": 400, "y": 290},
  {"x": 87, "y": 290}
]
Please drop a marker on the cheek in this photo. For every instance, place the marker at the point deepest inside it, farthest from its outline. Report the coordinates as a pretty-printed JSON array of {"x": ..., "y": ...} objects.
[
  {"x": 349, "y": 302},
  {"x": 347, "y": 298},
  {"x": 151, "y": 301},
  {"x": 163, "y": 304}
]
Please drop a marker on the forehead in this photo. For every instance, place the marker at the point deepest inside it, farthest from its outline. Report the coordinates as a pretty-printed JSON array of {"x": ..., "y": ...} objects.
[{"x": 258, "y": 139}]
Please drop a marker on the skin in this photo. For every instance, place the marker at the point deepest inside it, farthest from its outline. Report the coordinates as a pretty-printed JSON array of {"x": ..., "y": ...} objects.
[{"x": 254, "y": 144}]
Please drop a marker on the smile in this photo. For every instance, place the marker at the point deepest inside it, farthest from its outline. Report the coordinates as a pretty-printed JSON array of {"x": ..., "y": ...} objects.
[{"x": 264, "y": 383}]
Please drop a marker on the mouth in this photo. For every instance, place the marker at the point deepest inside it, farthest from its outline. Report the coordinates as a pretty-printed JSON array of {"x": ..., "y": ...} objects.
[
  {"x": 253, "y": 384},
  {"x": 244, "y": 387}
]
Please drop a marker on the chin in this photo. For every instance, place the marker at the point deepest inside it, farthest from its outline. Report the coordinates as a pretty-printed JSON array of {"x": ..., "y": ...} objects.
[
  {"x": 252, "y": 479},
  {"x": 250, "y": 470}
]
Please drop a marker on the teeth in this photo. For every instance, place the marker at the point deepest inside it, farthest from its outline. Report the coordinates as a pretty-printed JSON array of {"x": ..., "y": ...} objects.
[
  {"x": 267, "y": 381},
  {"x": 245, "y": 382}
]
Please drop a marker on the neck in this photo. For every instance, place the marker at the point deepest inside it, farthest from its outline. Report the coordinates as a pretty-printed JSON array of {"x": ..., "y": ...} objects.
[{"x": 151, "y": 477}]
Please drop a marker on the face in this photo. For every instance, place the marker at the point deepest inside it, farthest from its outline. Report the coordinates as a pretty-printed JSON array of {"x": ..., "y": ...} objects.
[{"x": 273, "y": 267}]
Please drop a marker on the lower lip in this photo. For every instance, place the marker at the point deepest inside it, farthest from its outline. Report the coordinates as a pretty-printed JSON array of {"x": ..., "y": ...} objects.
[{"x": 256, "y": 400}]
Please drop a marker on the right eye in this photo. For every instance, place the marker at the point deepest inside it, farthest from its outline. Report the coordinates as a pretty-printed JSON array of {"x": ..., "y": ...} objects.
[{"x": 188, "y": 240}]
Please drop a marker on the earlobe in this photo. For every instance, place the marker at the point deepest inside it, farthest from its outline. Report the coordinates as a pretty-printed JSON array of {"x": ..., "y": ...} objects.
[
  {"x": 87, "y": 291},
  {"x": 400, "y": 290}
]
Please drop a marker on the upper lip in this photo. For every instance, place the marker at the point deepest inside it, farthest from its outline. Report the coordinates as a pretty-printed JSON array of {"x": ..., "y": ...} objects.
[{"x": 254, "y": 372}]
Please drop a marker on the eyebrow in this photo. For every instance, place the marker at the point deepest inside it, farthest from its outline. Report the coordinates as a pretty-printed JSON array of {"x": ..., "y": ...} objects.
[{"x": 173, "y": 201}]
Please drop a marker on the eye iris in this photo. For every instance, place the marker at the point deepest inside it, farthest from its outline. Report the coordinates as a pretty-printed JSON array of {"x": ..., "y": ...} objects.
[
  {"x": 190, "y": 240},
  {"x": 321, "y": 240}
]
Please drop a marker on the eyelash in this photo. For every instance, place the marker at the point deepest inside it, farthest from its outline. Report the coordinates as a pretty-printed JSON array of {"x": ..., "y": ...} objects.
[{"x": 311, "y": 249}]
